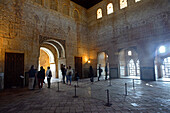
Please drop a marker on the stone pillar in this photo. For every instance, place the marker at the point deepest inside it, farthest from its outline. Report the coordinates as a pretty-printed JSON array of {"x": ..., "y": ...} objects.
[
  {"x": 146, "y": 56},
  {"x": 113, "y": 63}
]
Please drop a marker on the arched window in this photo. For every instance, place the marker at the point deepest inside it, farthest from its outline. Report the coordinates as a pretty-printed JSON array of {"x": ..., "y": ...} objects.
[
  {"x": 132, "y": 69},
  {"x": 123, "y": 4},
  {"x": 76, "y": 15},
  {"x": 53, "y": 5},
  {"x": 109, "y": 8},
  {"x": 137, "y": 0},
  {"x": 99, "y": 13},
  {"x": 66, "y": 9},
  {"x": 138, "y": 67}
]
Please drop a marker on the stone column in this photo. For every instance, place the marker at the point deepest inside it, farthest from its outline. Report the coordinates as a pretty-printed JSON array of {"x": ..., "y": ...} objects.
[
  {"x": 113, "y": 63},
  {"x": 146, "y": 56}
]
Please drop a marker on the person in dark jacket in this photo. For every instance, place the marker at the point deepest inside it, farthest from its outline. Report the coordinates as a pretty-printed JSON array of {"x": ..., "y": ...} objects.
[
  {"x": 32, "y": 73},
  {"x": 91, "y": 74},
  {"x": 40, "y": 76},
  {"x": 63, "y": 70}
]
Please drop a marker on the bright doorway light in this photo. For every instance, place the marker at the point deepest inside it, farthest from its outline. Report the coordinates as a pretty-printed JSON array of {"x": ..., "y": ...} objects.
[{"x": 162, "y": 49}]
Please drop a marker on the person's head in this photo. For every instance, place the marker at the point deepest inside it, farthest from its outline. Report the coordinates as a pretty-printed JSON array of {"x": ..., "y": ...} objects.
[
  {"x": 32, "y": 67},
  {"x": 41, "y": 67},
  {"x": 48, "y": 67},
  {"x": 69, "y": 67},
  {"x": 64, "y": 66},
  {"x": 90, "y": 67}
]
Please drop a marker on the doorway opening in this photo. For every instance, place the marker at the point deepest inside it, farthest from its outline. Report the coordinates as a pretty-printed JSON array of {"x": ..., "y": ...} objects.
[
  {"x": 103, "y": 62},
  {"x": 46, "y": 59},
  {"x": 14, "y": 69},
  {"x": 129, "y": 64},
  {"x": 52, "y": 53},
  {"x": 162, "y": 63}
]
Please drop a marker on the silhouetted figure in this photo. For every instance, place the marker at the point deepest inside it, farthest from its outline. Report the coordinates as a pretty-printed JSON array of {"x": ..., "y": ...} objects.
[
  {"x": 100, "y": 72},
  {"x": 49, "y": 75},
  {"x": 63, "y": 70},
  {"x": 40, "y": 77},
  {"x": 32, "y": 72},
  {"x": 91, "y": 74},
  {"x": 106, "y": 70}
]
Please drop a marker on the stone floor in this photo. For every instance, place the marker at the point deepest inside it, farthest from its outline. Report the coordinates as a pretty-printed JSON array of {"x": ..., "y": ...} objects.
[{"x": 146, "y": 97}]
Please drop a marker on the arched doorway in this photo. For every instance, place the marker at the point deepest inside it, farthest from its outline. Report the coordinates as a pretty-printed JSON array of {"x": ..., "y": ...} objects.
[
  {"x": 46, "y": 59},
  {"x": 103, "y": 62},
  {"x": 162, "y": 62},
  {"x": 129, "y": 64},
  {"x": 52, "y": 53}
]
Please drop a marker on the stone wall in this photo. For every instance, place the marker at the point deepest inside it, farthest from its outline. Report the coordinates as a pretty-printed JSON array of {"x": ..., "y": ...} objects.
[
  {"x": 143, "y": 25},
  {"x": 22, "y": 22}
]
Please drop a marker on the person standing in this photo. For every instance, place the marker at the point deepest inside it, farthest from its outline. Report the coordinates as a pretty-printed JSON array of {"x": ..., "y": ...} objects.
[
  {"x": 40, "y": 76},
  {"x": 100, "y": 72},
  {"x": 91, "y": 74},
  {"x": 106, "y": 70},
  {"x": 49, "y": 75},
  {"x": 32, "y": 73},
  {"x": 43, "y": 70},
  {"x": 69, "y": 73},
  {"x": 63, "y": 70}
]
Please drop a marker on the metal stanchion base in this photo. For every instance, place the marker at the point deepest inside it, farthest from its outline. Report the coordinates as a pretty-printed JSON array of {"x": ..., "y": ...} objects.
[
  {"x": 108, "y": 104},
  {"x": 75, "y": 96}
]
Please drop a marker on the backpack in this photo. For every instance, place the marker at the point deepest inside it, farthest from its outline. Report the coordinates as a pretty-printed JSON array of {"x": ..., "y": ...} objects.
[
  {"x": 69, "y": 74},
  {"x": 50, "y": 75}
]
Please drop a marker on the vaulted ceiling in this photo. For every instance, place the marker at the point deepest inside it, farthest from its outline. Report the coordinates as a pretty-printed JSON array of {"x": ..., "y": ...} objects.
[{"x": 87, "y": 3}]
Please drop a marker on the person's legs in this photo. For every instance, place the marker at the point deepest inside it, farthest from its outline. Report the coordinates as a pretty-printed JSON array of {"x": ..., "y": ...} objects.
[
  {"x": 48, "y": 79},
  {"x": 63, "y": 79},
  {"x": 42, "y": 80},
  {"x": 70, "y": 78},
  {"x": 67, "y": 79},
  {"x": 39, "y": 83},
  {"x": 31, "y": 82}
]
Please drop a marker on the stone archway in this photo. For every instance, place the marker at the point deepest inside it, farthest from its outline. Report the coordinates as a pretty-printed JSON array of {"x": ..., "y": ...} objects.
[
  {"x": 162, "y": 62},
  {"x": 57, "y": 48},
  {"x": 129, "y": 64}
]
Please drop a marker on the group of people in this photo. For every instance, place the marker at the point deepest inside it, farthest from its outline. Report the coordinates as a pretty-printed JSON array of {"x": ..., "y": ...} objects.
[
  {"x": 67, "y": 73},
  {"x": 91, "y": 73},
  {"x": 40, "y": 75}
]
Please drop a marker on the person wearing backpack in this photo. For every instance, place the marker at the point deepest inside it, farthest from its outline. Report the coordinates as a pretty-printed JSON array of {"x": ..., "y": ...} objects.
[
  {"x": 49, "y": 75},
  {"x": 69, "y": 74}
]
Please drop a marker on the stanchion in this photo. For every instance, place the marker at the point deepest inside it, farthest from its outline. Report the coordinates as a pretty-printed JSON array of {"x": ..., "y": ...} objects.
[
  {"x": 77, "y": 82},
  {"x": 58, "y": 86},
  {"x": 125, "y": 89},
  {"x": 133, "y": 84},
  {"x": 108, "y": 103},
  {"x": 75, "y": 93},
  {"x": 110, "y": 84}
]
